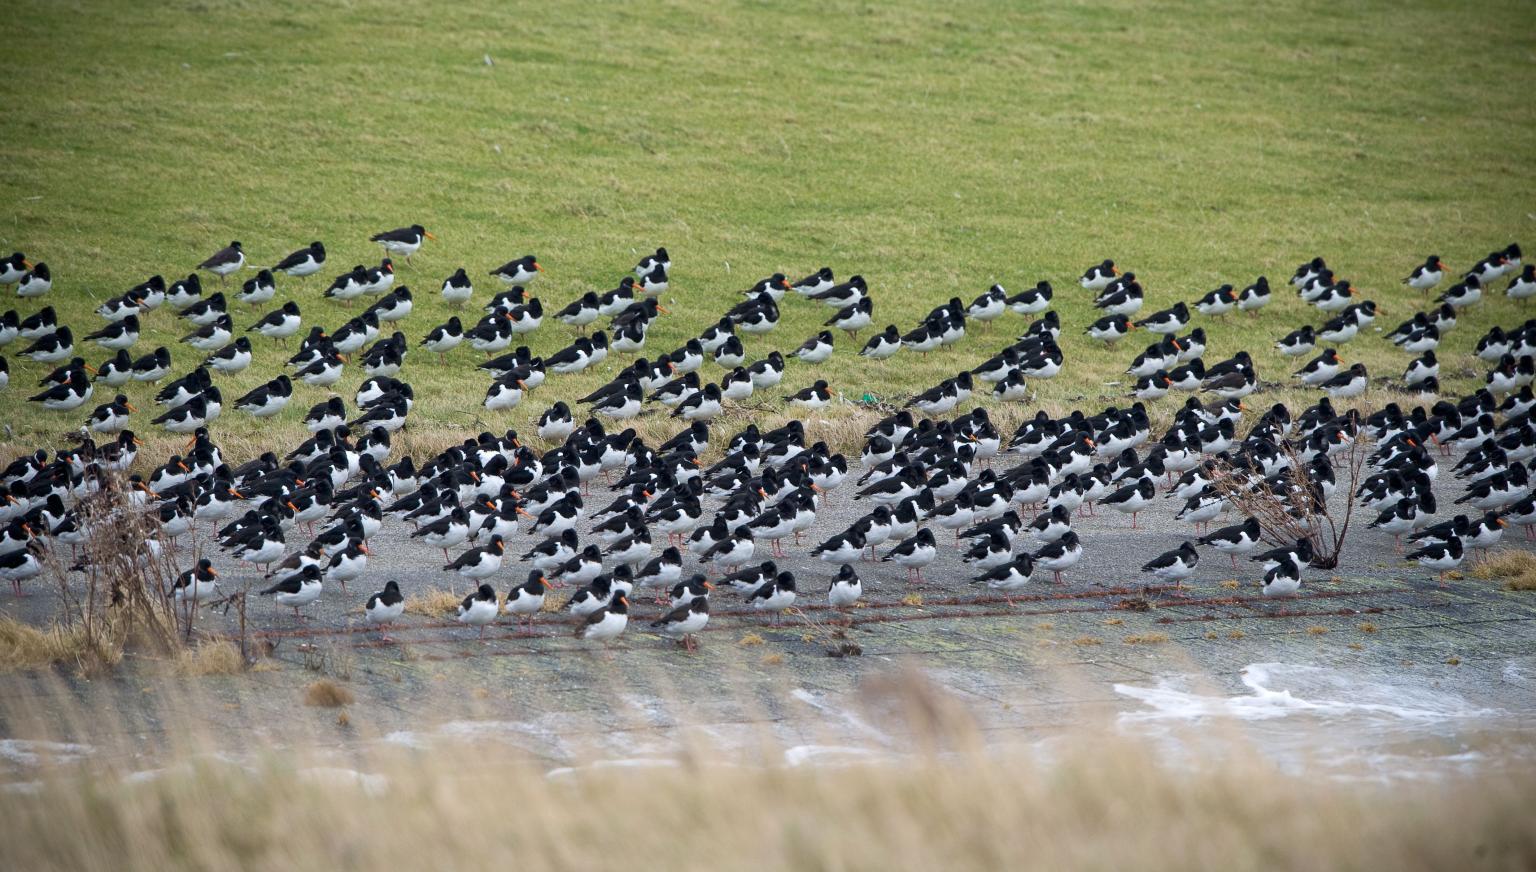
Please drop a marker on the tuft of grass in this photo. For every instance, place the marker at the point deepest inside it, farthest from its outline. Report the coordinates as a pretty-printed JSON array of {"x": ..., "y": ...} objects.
[
  {"x": 774, "y": 659},
  {"x": 1517, "y": 568},
  {"x": 1317, "y": 630},
  {"x": 750, "y": 640},
  {"x": 220, "y": 657},
  {"x": 1367, "y": 627},
  {"x": 554, "y": 602},
  {"x": 325, "y": 693},
  {"x": 1146, "y": 638},
  {"x": 912, "y": 599},
  {"x": 1235, "y": 634},
  {"x": 1087, "y": 641},
  {"x": 1045, "y": 626},
  {"x": 23, "y": 647},
  {"x": 1453, "y": 660},
  {"x": 1505, "y": 563},
  {"x": 432, "y": 603},
  {"x": 1113, "y": 622},
  {"x": 1230, "y": 584}
]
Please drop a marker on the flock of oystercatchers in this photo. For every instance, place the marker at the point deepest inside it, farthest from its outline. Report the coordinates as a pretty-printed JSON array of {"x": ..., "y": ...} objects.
[{"x": 922, "y": 470}]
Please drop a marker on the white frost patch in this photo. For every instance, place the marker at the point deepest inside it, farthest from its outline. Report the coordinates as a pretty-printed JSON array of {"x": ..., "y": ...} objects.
[
  {"x": 30, "y": 752},
  {"x": 1279, "y": 690},
  {"x": 842, "y": 714},
  {"x": 629, "y": 763},
  {"x": 373, "y": 785}
]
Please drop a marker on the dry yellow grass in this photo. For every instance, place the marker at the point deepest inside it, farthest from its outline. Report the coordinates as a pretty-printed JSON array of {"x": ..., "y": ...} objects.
[
  {"x": 1109, "y": 806},
  {"x": 1504, "y": 563},
  {"x": 23, "y": 646},
  {"x": 1146, "y": 638},
  {"x": 211, "y": 658},
  {"x": 432, "y": 603},
  {"x": 1367, "y": 627},
  {"x": 1317, "y": 630},
  {"x": 1517, "y": 568},
  {"x": 750, "y": 640},
  {"x": 1087, "y": 641},
  {"x": 325, "y": 693}
]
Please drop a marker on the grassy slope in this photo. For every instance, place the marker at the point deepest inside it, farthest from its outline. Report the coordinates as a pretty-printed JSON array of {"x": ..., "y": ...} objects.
[{"x": 934, "y": 150}]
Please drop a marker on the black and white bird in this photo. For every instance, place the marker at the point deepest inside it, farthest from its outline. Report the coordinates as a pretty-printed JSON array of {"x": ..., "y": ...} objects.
[
  {"x": 817, "y": 396},
  {"x": 1235, "y": 540},
  {"x": 846, "y": 588},
  {"x": 35, "y": 282},
  {"x": 13, "y": 268},
  {"x": 685, "y": 621},
  {"x": 1283, "y": 578},
  {"x": 1427, "y": 274},
  {"x": 480, "y": 608},
  {"x": 384, "y": 607},
  {"x": 1098, "y": 276},
  {"x": 297, "y": 591},
  {"x": 606, "y": 623},
  {"x": 258, "y": 290},
  {"x": 883, "y": 344},
  {"x": 914, "y": 554},
  {"x": 650, "y": 262},
  {"x": 852, "y": 319},
  {"x": 1059, "y": 556},
  {"x": 196, "y": 585},
  {"x": 520, "y": 271},
  {"x": 816, "y": 349},
  {"x": 481, "y": 562},
  {"x": 304, "y": 262},
  {"x": 404, "y": 241},
  {"x": 526, "y": 600},
  {"x": 225, "y": 261},
  {"x": 1176, "y": 566},
  {"x": 775, "y": 596},
  {"x": 1348, "y": 384}
]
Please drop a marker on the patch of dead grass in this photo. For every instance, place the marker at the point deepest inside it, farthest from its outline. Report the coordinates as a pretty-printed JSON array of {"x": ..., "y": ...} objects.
[
  {"x": 1517, "y": 568},
  {"x": 432, "y": 603},
  {"x": 220, "y": 657},
  {"x": 23, "y": 647},
  {"x": 325, "y": 693},
  {"x": 1146, "y": 638}
]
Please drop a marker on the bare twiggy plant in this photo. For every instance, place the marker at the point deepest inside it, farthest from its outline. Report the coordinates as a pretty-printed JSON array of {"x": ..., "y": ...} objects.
[{"x": 1297, "y": 509}]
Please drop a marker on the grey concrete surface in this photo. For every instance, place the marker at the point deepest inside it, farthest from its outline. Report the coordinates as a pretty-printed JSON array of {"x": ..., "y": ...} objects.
[{"x": 1056, "y": 658}]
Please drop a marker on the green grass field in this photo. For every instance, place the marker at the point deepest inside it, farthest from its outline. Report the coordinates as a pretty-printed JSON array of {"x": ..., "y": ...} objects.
[{"x": 935, "y": 149}]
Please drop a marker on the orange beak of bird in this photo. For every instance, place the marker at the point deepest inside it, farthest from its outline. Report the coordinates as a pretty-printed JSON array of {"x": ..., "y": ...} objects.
[
  {"x": 537, "y": 267},
  {"x": 429, "y": 235}
]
